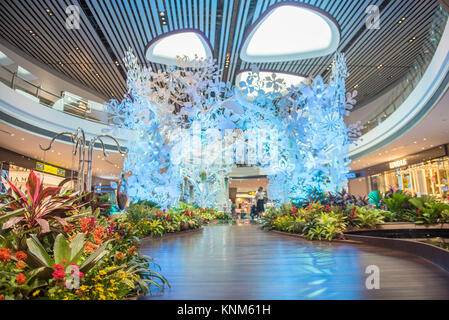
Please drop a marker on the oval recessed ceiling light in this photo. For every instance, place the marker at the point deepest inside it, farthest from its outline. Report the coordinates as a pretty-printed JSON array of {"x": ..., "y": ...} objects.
[
  {"x": 291, "y": 31},
  {"x": 165, "y": 48}
]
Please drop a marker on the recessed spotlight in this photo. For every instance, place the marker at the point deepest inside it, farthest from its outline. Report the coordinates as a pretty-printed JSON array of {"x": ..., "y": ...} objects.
[{"x": 379, "y": 66}]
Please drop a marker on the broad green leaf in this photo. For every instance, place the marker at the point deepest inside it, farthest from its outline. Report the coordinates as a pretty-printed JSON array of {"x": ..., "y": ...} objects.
[
  {"x": 37, "y": 249},
  {"x": 77, "y": 246},
  {"x": 62, "y": 250},
  {"x": 94, "y": 258}
]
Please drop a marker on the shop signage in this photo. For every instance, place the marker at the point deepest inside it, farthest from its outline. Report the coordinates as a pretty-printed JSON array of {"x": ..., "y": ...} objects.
[
  {"x": 50, "y": 169},
  {"x": 397, "y": 164}
]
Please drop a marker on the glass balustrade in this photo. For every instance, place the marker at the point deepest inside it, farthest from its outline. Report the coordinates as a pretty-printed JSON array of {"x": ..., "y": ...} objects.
[
  {"x": 407, "y": 84},
  {"x": 64, "y": 101}
]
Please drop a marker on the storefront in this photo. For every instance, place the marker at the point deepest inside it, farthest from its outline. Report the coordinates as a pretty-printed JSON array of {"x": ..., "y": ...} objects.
[
  {"x": 17, "y": 168},
  {"x": 424, "y": 173}
]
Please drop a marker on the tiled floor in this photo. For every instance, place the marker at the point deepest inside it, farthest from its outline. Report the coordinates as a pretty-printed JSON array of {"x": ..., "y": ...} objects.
[{"x": 244, "y": 262}]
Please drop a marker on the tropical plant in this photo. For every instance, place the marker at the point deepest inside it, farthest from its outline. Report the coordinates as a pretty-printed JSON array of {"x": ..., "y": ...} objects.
[
  {"x": 398, "y": 203},
  {"x": 429, "y": 211},
  {"x": 37, "y": 207},
  {"x": 156, "y": 228},
  {"x": 327, "y": 225},
  {"x": 365, "y": 217},
  {"x": 65, "y": 253}
]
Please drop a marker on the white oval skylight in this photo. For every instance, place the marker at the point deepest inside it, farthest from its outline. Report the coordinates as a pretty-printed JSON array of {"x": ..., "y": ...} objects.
[
  {"x": 166, "y": 48},
  {"x": 291, "y": 32},
  {"x": 287, "y": 80}
]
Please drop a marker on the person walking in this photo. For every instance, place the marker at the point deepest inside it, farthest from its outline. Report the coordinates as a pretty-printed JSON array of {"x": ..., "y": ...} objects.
[{"x": 260, "y": 196}]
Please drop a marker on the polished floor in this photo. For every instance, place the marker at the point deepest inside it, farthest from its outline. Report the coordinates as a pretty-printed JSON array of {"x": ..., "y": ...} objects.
[{"x": 243, "y": 262}]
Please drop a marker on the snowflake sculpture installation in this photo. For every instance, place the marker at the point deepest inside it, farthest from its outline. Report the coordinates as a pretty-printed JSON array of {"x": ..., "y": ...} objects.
[{"x": 185, "y": 129}]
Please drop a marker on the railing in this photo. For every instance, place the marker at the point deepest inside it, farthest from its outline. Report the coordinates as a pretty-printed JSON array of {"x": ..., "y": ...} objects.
[
  {"x": 64, "y": 101},
  {"x": 403, "y": 88}
]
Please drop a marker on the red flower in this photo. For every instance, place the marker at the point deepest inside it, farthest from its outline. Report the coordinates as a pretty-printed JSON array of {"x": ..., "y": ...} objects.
[
  {"x": 419, "y": 212},
  {"x": 5, "y": 254},
  {"x": 353, "y": 212},
  {"x": 295, "y": 211},
  {"x": 59, "y": 274},
  {"x": 327, "y": 208},
  {"x": 20, "y": 265},
  {"x": 58, "y": 267},
  {"x": 2, "y": 297},
  {"x": 20, "y": 278},
  {"x": 211, "y": 210},
  {"x": 20, "y": 255},
  {"x": 309, "y": 208}
]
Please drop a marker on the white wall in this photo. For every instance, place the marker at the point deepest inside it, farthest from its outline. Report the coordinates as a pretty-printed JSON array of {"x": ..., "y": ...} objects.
[{"x": 358, "y": 186}]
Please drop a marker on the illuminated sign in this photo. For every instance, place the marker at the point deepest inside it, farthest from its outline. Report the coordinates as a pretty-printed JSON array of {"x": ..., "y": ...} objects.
[
  {"x": 351, "y": 175},
  {"x": 50, "y": 169},
  {"x": 397, "y": 164}
]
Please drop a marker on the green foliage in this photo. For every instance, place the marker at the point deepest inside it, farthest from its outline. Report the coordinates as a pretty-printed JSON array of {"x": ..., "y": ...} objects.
[
  {"x": 64, "y": 253},
  {"x": 398, "y": 203},
  {"x": 365, "y": 217},
  {"x": 429, "y": 211},
  {"x": 314, "y": 222},
  {"x": 156, "y": 228}
]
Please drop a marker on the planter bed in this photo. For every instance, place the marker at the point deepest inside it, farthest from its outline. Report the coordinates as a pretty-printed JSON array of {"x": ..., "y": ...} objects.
[
  {"x": 403, "y": 233},
  {"x": 410, "y": 225},
  {"x": 147, "y": 238},
  {"x": 396, "y": 240},
  {"x": 297, "y": 235},
  {"x": 434, "y": 254}
]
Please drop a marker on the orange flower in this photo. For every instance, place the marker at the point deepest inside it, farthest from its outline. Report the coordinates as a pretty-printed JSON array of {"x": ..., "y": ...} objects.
[
  {"x": 99, "y": 235},
  {"x": 90, "y": 247},
  {"x": 131, "y": 250},
  {"x": 2, "y": 297},
  {"x": 20, "y": 278},
  {"x": 20, "y": 265},
  {"x": 68, "y": 228},
  {"x": 5, "y": 254},
  {"x": 119, "y": 256},
  {"x": 21, "y": 256}
]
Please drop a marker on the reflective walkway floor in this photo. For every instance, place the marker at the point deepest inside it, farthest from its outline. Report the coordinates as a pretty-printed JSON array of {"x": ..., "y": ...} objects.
[{"x": 243, "y": 262}]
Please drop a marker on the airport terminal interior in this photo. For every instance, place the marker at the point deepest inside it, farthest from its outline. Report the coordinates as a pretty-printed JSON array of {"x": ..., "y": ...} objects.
[{"x": 224, "y": 150}]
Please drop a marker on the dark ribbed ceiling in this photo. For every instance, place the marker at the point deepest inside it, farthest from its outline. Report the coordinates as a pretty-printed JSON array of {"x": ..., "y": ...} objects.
[{"x": 109, "y": 27}]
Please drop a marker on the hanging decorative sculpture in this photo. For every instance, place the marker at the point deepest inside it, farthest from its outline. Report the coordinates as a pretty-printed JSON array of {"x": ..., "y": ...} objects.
[
  {"x": 78, "y": 138},
  {"x": 183, "y": 123}
]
